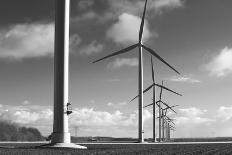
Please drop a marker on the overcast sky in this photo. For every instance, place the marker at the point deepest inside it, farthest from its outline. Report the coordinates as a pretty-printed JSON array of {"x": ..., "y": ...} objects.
[{"x": 193, "y": 36}]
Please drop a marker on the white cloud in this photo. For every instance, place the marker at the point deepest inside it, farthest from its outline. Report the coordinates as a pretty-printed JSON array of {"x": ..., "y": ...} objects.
[
  {"x": 192, "y": 115},
  {"x": 221, "y": 64},
  {"x": 184, "y": 78},
  {"x": 94, "y": 121},
  {"x": 136, "y": 6},
  {"x": 167, "y": 4},
  {"x": 117, "y": 105},
  {"x": 123, "y": 32},
  {"x": 26, "y": 102},
  {"x": 27, "y": 41},
  {"x": 120, "y": 62},
  {"x": 90, "y": 117},
  {"x": 92, "y": 48},
  {"x": 112, "y": 9},
  {"x": 224, "y": 113},
  {"x": 29, "y": 115},
  {"x": 192, "y": 111},
  {"x": 110, "y": 104},
  {"x": 193, "y": 122}
]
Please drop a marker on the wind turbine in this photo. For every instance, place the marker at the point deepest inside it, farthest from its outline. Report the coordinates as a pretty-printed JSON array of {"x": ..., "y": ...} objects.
[
  {"x": 160, "y": 112},
  {"x": 140, "y": 68},
  {"x": 159, "y": 101},
  {"x": 162, "y": 119},
  {"x": 167, "y": 122},
  {"x": 154, "y": 96},
  {"x": 169, "y": 127}
]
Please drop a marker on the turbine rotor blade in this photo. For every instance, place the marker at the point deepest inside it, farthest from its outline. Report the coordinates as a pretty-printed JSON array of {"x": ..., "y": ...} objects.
[
  {"x": 142, "y": 23},
  {"x": 118, "y": 52},
  {"x": 171, "y": 107},
  {"x": 157, "y": 56},
  {"x": 161, "y": 86},
  {"x": 143, "y": 91},
  {"x": 148, "y": 105},
  {"x": 168, "y": 106}
]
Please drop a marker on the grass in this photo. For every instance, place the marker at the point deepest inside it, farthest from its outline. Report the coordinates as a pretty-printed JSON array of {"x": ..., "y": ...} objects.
[{"x": 120, "y": 149}]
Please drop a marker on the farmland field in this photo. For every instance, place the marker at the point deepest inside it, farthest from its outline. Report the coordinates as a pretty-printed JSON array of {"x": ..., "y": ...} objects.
[{"x": 119, "y": 149}]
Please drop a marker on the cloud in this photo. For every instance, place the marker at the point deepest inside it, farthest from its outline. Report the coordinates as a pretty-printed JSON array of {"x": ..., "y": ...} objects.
[
  {"x": 136, "y": 6},
  {"x": 93, "y": 121},
  {"x": 26, "y": 102},
  {"x": 167, "y": 4},
  {"x": 29, "y": 115},
  {"x": 193, "y": 122},
  {"x": 117, "y": 105},
  {"x": 90, "y": 117},
  {"x": 192, "y": 111},
  {"x": 83, "y": 4},
  {"x": 224, "y": 113},
  {"x": 184, "y": 78},
  {"x": 110, "y": 104},
  {"x": 192, "y": 115},
  {"x": 27, "y": 41},
  {"x": 221, "y": 64},
  {"x": 110, "y": 10},
  {"x": 120, "y": 62},
  {"x": 92, "y": 48},
  {"x": 124, "y": 33}
]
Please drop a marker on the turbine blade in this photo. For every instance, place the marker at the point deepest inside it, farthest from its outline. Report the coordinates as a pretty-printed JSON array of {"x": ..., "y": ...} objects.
[
  {"x": 134, "y": 98},
  {"x": 143, "y": 91},
  {"x": 152, "y": 71},
  {"x": 148, "y": 105},
  {"x": 168, "y": 89},
  {"x": 157, "y": 56},
  {"x": 171, "y": 107},
  {"x": 142, "y": 23},
  {"x": 168, "y": 106},
  {"x": 118, "y": 52}
]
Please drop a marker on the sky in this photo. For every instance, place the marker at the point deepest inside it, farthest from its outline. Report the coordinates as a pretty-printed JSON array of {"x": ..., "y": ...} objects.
[{"x": 193, "y": 36}]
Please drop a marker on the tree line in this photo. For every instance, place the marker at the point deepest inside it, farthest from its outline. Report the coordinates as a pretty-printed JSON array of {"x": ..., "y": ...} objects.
[{"x": 13, "y": 132}]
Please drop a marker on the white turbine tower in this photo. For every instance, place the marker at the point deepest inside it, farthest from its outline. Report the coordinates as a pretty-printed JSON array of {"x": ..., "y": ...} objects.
[
  {"x": 61, "y": 135},
  {"x": 140, "y": 72}
]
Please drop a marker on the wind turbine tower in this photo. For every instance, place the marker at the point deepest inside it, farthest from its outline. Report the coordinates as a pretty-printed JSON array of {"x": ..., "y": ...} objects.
[{"x": 61, "y": 135}]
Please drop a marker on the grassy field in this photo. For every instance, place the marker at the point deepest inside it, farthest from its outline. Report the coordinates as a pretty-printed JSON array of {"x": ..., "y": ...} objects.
[{"x": 120, "y": 149}]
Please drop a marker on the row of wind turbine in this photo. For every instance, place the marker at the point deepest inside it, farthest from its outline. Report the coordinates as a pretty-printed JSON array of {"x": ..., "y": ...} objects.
[{"x": 141, "y": 46}]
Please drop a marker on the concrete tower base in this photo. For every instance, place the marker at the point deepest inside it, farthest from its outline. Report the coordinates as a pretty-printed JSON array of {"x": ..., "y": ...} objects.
[
  {"x": 63, "y": 145},
  {"x": 61, "y": 137}
]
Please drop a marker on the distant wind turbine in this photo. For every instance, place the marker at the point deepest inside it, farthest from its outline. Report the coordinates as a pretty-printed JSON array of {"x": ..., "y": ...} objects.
[
  {"x": 160, "y": 114},
  {"x": 159, "y": 101},
  {"x": 154, "y": 97},
  {"x": 169, "y": 127},
  {"x": 140, "y": 73},
  {"x": 162, "y": 119}
]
